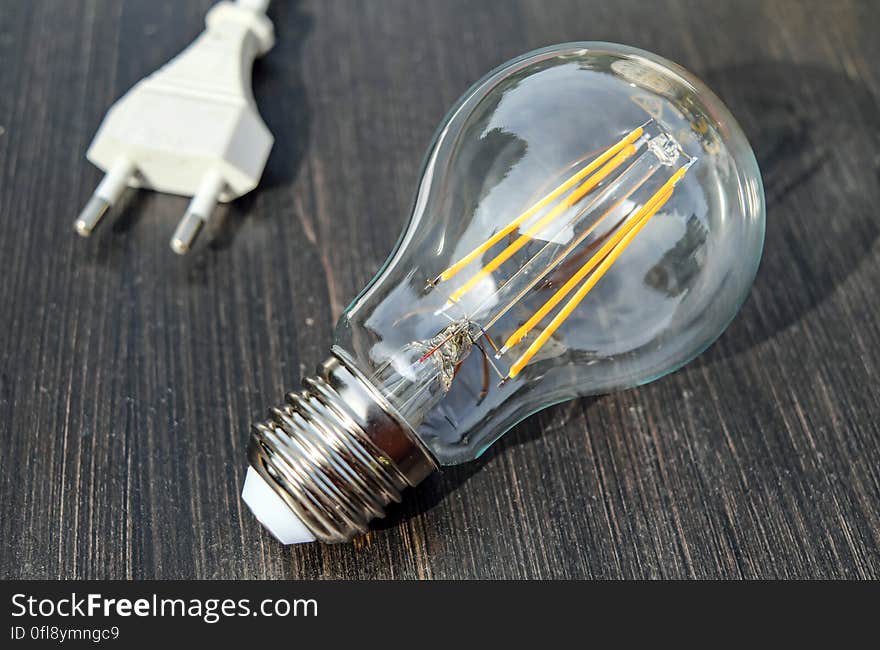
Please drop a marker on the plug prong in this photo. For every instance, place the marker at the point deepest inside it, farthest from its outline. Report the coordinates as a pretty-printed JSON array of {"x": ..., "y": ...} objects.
[
  {"x": 197, "y": 213},
  {"x": 91, "y": 215},
  {"x": 187, "y": 231},
  {"x": 106, "y": 194}
]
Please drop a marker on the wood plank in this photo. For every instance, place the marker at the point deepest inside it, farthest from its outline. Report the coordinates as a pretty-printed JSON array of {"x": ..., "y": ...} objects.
[{"x": 129, "y": 378}]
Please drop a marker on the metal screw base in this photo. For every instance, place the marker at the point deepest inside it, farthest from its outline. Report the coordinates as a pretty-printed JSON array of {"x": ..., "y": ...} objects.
[{"x": 337, "y": 454}]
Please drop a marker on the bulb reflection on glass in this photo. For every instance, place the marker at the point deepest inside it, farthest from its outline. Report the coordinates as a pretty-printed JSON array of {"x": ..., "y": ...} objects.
[{"x": 590, "y": 217}]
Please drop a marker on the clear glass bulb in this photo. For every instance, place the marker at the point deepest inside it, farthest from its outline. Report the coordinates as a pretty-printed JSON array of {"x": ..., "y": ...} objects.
[{"x": 590, "y": 217}]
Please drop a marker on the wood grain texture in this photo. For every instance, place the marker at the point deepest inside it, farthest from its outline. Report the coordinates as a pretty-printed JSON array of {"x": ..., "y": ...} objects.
[{"x": 129, "y": 378}]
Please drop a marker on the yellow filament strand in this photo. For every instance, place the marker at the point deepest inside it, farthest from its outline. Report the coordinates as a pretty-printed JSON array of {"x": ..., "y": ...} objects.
[
  {"x": 544, "y": 221},
  {"x": 581, "y": 293},
  {"x": 513, "y": 225},
  {"x": 572, "y": 304},
  {"x": 577, "y": 241},
  {"x": 648, "y": 208}
]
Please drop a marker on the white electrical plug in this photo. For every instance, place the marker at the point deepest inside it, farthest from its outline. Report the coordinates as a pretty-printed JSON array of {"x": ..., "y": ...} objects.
[{"x": 192, "y": 127}]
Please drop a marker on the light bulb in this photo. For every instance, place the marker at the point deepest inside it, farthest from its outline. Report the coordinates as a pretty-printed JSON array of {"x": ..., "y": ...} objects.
[{"x": 589, "y": 218}]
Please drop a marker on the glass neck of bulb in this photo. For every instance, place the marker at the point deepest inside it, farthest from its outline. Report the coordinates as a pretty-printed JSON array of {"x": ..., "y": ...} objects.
[{"x": 419, "y": 376}]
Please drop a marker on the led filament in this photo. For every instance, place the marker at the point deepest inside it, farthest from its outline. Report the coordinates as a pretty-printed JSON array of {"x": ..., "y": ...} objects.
[{"x": 589, "y": 196}]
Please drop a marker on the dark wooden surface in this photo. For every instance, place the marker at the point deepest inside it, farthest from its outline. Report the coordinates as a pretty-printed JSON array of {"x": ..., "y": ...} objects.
[{"x": 129, "y": 377}]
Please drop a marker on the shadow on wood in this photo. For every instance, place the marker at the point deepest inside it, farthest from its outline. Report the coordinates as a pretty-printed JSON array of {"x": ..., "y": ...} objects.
[
  {"x": 816, "y": 134},
  {"x": 283, "y": 103},
  {"x": 440, "y": 484}
]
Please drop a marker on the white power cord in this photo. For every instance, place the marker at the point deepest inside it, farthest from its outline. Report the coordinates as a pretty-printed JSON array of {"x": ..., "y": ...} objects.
[{"x": 192, "y": 127}]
